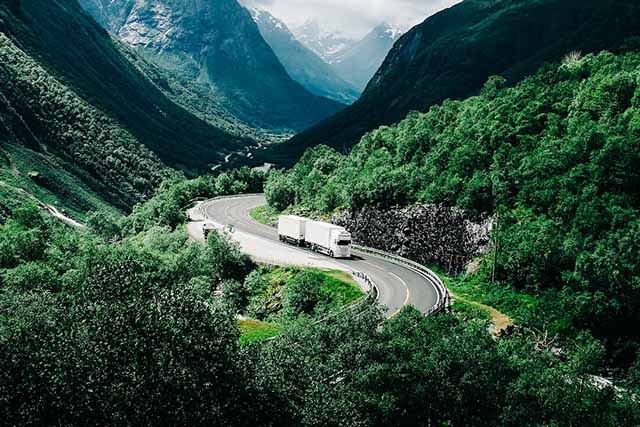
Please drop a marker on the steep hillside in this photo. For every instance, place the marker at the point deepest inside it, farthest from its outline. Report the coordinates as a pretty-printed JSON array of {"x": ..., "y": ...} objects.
[
  {"x": 453, "y": 53},
  {"x": 359, "y": 63},
  {"x": 58, "y": 149},
  {"x": 89, "y": 61},
  {"x": 218, "y": 44},
  {"x": 553, "y": 159},
  {"x": 303, "y": 65}
]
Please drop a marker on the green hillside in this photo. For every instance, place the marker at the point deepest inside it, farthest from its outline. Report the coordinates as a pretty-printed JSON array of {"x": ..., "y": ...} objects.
[
  {"x": 554, "y": 160},
  {"x": 88, "y": 61},
  {"x": 60, "y": 149},
  {"x": 453, "y": 53}
]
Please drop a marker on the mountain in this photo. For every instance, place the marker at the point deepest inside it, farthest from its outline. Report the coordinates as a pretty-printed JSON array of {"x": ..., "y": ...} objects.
[
  {"x": 56, "y": 147},
  {"x": 355, "y": 61},
  {"x": 453, "y": 53},
  {"x": 93, "y": 66},
  {"x": 302, "y": 64},
  {"x": 358, "y": 63},
  {"x": 215, "y": 43},
  {"x": 326, "y": 44}
]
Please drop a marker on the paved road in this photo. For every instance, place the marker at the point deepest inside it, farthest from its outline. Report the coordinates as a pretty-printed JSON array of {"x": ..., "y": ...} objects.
[{"x": 398, "y": 286}]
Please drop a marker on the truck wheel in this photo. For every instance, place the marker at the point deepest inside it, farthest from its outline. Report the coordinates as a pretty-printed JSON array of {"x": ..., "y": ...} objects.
[{"x": 331, "y": 254}]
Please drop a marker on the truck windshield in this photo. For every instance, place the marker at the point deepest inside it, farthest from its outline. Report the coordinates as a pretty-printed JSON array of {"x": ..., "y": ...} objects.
[{"x": 344, "y": 242}]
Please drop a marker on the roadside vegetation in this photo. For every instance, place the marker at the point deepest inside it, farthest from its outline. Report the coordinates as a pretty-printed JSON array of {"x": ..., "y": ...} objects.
[
  {"x": 265, "y": 215},
  {"x": 275, "y": 294},
  {"x": 255, "y": 331},
  {"x": 553, "y": 160},
  {"x": 130, "y": 327},
  {"x": 129, "y": 322}
]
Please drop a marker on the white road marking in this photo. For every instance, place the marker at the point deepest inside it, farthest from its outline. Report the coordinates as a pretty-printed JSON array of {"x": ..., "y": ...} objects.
[{"x": 406, "y": 300}]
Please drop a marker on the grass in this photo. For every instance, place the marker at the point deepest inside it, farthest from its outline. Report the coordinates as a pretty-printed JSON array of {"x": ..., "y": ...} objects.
[
  {"x": 253, "y": 331},
  {"x": 506, "y": 305},
  {"x": 54, "y": 184},
  {"x": 496, "y": 298},
  {"x": 339, "y": 286},
  {"x": 265, "y": 215}
]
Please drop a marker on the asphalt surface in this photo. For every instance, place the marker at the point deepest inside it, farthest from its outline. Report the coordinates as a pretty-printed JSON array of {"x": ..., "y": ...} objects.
[{"x": 398, "y": 286}]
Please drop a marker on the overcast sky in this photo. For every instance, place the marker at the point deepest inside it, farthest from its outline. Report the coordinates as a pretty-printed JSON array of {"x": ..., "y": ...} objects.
[{"x": 353, "y": 17}]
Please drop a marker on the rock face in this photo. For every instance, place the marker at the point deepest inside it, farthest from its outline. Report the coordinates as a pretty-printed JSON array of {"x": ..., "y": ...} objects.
[
  {"x": 453, "y": 53},
  {"x": 303, "y": 65},
  {"x": 359, "y": 63},
  {"x": 355, "y": 61},
  {"x": 427, "y": 234},
  {"x": 218, "y": 44}
]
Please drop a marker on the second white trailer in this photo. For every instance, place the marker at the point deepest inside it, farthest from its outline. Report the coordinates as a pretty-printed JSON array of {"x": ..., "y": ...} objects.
[{"x": 329, "y": 239}]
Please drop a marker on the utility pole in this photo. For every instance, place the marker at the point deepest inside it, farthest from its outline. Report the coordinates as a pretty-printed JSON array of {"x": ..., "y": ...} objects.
[
  {"x": 495, "y": 187},
  {"x": 496, "y": 243}
]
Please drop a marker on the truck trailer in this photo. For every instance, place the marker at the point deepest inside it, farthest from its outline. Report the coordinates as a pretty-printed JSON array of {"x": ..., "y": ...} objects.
[
  {"x": 291, "y": 229},
  {"x": 329, "y": 239}
]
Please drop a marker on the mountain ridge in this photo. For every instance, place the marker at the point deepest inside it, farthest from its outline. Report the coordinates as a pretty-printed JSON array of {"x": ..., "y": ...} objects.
[
  {"x": 359, "y": 63},
  {"x": 219, "y": 45},
  {"x": 452, "y": 54},
  {"x": 304, "y": 65},
  {"x": 99, "y": 73}
]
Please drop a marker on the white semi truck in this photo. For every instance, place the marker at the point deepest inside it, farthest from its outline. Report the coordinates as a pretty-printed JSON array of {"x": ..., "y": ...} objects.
[
  {"x": 329, "y": 239},
  {"x": 323, "y": 237}
]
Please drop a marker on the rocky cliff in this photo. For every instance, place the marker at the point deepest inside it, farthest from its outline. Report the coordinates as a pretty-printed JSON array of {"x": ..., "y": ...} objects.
[
  {"x": 302, "y": 64},
  {"x": 428, "y": 234}
]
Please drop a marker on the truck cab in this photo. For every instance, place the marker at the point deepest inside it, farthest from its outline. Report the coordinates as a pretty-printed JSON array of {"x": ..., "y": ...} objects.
[{"x": 340, "y": 244}]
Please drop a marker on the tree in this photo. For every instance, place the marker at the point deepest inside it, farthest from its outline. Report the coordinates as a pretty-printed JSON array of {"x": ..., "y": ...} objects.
[
  {"x": 235, "y": 295},
  {"x": 225, "y": 257},
  {"x": 302, "y": 294},
  {"x": 279, "y": 192}
]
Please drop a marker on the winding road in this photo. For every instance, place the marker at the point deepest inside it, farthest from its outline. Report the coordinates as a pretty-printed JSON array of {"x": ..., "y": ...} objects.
[{"x": 397, "y": 285}]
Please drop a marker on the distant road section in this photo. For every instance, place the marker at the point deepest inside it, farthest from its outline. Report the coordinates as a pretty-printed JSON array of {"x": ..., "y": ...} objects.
[{"x": 397, "y": 285}]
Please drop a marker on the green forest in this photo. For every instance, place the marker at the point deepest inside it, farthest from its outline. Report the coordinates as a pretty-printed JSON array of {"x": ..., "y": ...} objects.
[
  {"x": 112, "y": 314},
  {"x": 554, "y": 160},
  {"x": 120, "y": 324}
]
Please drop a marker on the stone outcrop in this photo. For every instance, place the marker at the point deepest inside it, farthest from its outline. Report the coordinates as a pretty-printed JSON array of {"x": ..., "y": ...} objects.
[{"x": 429, "y": 234}]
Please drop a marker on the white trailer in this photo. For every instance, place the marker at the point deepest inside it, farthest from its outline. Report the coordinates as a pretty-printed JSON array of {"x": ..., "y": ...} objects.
[
  {"x": 329, "y": 239},
  {"x": 291, "y": 229}
]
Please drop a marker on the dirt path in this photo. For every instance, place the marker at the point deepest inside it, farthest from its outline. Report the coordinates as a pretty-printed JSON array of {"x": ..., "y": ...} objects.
[{"x": 499, "y": 320}]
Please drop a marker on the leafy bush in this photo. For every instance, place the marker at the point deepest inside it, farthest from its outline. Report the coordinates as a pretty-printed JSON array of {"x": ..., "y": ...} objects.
[{"x": 301, "y": 295}]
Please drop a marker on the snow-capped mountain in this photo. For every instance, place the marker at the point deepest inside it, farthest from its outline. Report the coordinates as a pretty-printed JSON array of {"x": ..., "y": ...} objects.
[
  {"x": 302, "y": 64},
  {"x": 355, "y": 61},
  {"x": 328, "y": 45},
  {"x": 360, "y": 61}
]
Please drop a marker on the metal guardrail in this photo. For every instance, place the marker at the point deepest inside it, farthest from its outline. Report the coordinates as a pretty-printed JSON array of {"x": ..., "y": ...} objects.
[
  {"x": 373, "y": 288},
  {"x": 444, "y": 297}
]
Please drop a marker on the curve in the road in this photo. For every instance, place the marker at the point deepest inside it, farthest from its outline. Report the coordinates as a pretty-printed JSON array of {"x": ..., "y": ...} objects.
[{"x": 398, "y": 285}]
